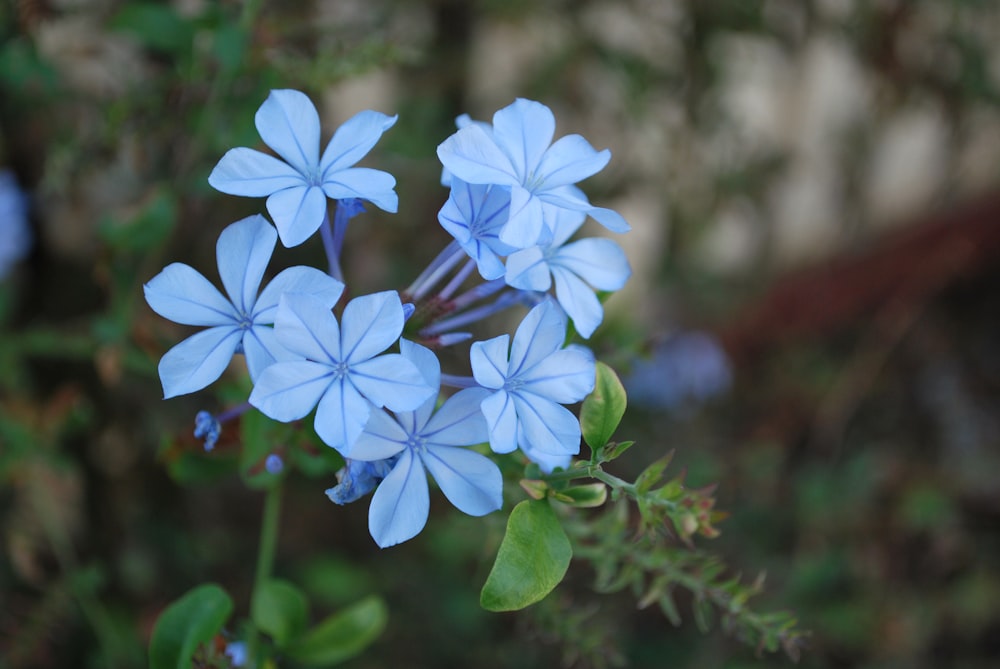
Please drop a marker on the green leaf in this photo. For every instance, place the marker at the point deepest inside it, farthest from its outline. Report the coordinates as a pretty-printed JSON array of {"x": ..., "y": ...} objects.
[
  {"x": 652, "y": 474},
  {"x": 532, "y": 559},
  {"x": 342, "y": 635},
  {"x": 603, "y": 409},
  {"x": 187, "y": 623},
  {"x": 280, "y": 610}
]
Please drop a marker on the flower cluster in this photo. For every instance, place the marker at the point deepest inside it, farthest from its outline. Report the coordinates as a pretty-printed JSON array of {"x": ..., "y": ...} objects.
[{"x": 512, "y": 209}]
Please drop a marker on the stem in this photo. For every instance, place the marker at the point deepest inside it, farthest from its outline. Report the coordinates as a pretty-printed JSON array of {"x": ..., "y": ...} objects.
[
  {"x": 265, "y": 559},
  {"x": 330, "y": 246},
  {"x": 504, "y": 301}
]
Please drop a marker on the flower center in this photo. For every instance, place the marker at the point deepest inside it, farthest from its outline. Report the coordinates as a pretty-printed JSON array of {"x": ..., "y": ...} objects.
[{"x": 416, "y": 443}]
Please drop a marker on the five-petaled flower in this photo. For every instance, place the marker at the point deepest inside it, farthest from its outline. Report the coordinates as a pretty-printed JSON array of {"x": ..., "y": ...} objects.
[
  {"x": 596, "y": 261},
  {"x": 239, "y": 323},
  {"x": 339, "y": 370},
  {"x": 531, "y": 385},
  {"x": 297, "y": 188},
  {"x": 423, "y": 441},
  {"x": 474, "y": 215},
  {"x": 520, "y": 154}
]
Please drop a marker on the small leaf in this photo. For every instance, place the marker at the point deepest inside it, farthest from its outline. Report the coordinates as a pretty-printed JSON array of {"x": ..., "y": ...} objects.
[
  {"x": 613, "y": 450},
  {"x": 652, "y": 474},
  {"x": 341, "y": 636},
  {"x": 603, "y": 409},
  {"x": 280, "y": 610},
  {"x": 586, "y": 496},
  {"x": 187, "y": 623},
  {"x": 532, "y": 559}
]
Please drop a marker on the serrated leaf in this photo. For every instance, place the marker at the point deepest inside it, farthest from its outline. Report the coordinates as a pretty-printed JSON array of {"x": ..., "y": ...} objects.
[
  {"x": 532, "y": 559},
  {"x": 342, "y": 635},
  {"x": 279, "y": 609},
  {"x": 187, "y": 623},
  {"x": 603, "y": 409}
]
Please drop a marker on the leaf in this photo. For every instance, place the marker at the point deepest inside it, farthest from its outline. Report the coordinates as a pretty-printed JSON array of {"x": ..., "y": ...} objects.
[
  {"x": 280, "y": 610},
  {"x": 187, "y": 623},
  {"x": 651, "y": 475},
  {"x": 342, "y": 635},
  {"x": 532, "y": 559},
  {"x": 603, "y": 409}
]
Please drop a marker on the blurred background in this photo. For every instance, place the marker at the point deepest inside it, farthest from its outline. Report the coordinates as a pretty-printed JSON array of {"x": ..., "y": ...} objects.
[{"x": 813, "y": 321}]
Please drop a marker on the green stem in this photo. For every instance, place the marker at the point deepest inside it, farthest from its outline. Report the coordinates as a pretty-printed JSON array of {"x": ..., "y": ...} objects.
[{"x": 265, "y": 559}]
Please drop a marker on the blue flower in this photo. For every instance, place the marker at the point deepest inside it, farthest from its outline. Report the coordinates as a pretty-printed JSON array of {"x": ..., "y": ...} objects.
[
  {"x": 342, "y": 374},
  {"x": 576, "y": 268},
  {"x": 474, "y": 215},
  {"x": 519, "y": 153},
  {"x": 15, "y": 235},
  {"x": 423, "y": 441},
  {"x": 237, "y": 324},
  {"x": 297, "y": 188},
  {"x": 531, "y": 386}
]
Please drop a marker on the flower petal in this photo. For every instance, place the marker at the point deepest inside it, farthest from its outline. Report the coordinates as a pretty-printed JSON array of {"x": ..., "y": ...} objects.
[
  {"x": 341, "y": 415},
  {"x": 297, "y": 213},
  {"x": 370, "y": 324},
  {"x": 430, "y": 371},
  {"x": 363, "y": 183},
  {"x": 354, "y": 139},
  {"x": 382, "y": 438},
  {"x": 572, "y": 198},
  {"x": 183, "y": 295},
  {"x": 569, "y": 160},
  {"x": 489, "y": 361},
  {"x": 540, "y": 333},
  {"x": 287, "y": 391},
  {"x": 528, "y": 269},
  {"x": 546, "y": 427},
  {"x": 501, "y": 420},
  {"x": 391, "y": 381},
  {"x": 471, "y": 155},
  {"x": 470, "y": 481},
  {"x": 262, "y": 349},
  {"x": 306, "y": 326},
  {"x": 525, "y": 225},
  {"x": 300, "y": 279},
  {"x": 251, "y": 173},
  {"x": 579, "y": 302},
  {"x": 600, "y": 262},
  {"x": 289, "y": 124},
  {"x": 400, "y": 504},
  {"x": 564, "y": 376},
  {"x": 198, "y": 360},
  {"x": 524, "y": 130},
  {"x": 459, "y": 421},
  {"x": 242, "y": 252}
]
